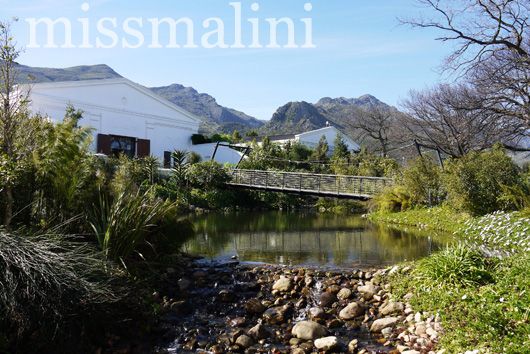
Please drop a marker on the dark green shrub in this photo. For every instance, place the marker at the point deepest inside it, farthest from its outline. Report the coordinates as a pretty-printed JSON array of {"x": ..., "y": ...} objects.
[
  {"x": 393, "y": 199},
  {"x": 423, "y": 181},
  {"x": 207, "y": 175},
  {"x": 197, "y": 139},
  {"x": 475, "y": 182}
]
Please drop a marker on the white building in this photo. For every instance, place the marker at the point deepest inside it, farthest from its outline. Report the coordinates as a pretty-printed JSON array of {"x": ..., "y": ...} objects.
[
  {"x": 126, "y": 118},
  {"x": 312, "y": 138}
]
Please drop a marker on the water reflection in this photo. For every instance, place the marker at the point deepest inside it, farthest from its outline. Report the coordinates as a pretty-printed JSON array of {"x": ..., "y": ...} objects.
[{"x": 294, "y": 238}]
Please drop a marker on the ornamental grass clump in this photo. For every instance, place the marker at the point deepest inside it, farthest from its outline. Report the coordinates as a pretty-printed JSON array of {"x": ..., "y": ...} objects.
[
  {"x": 123, "y": 225},
  {"x": 456, "y": 266},
  {"x": 48, "y": 285}
]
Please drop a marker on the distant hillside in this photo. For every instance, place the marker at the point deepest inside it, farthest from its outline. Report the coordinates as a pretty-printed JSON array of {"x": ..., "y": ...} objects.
[
  {"x": 216, "y": 117},
  {"x": 297, "y": 117}
]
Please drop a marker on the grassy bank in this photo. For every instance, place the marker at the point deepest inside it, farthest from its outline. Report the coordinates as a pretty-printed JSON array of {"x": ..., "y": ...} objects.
[{"x": 483, "y": 301}]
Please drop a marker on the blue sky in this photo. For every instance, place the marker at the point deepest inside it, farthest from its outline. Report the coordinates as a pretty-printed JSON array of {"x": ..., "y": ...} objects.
[{"x": 360, "y": 49}]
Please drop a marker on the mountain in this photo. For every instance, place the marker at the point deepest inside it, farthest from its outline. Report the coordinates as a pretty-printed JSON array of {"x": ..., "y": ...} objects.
[
  {"x": 297, "y": 117},
  {"x": 216, "y": 118}
]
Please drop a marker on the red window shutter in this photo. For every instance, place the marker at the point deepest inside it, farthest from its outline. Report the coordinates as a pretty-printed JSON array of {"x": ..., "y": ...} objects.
[
  {"x": 103, "y": 144},
  {"x": 144, "y": 148}
]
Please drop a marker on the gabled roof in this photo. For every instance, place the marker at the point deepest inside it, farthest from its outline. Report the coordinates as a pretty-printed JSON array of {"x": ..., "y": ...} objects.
[
  {"x": 320, "y": 130},
  {"x": 102, "y": 82}
]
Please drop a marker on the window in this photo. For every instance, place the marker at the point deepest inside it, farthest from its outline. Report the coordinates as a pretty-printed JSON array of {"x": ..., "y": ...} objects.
[
  {"x": 167, "y": 159},
  {"x": 123, "y": 145}
]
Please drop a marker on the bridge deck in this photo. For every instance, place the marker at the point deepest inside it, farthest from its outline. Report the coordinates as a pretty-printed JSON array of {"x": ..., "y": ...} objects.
[{"x": 354, "y": 187}]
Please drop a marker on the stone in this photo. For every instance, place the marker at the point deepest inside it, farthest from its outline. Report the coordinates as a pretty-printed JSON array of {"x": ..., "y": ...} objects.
[
  {"x": 316, "y": 313},
  {"x": 411, "y": 352},
  {"x": 238, "y": 322},
  {"x": 402, "y": 348},
  {"x": 386, "y": 332},
  {"x": 351, "y": 311},
  {"x": 353, "y": 346},
  {"x": 254, "y": 307},
  {"x": 334, "y": 289},
  {"x": 392, "y": 308},
  {"x": 368, "y": 291},
  {"x": 383, "y": 323},
  {"x": 297, "y": 351},
  {"x": 226, "y": 296},
  {"x": 327, "y": 299},
  {"x": 244, "y": 341},
  {"x": 283, "y": 285},
  {"x": 259, "y": 331},
  {"x": 326, "y": 343},
  {"x": 309, "y": 330},
  {"x": 183, "y": 284},
  {"x": 421, "y": 329},
  {"x": 276, "y": 315},
  {"x": 344, "y": 294}
]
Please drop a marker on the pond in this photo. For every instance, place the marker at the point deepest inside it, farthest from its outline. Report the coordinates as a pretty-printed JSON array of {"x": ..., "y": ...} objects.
[{"x": 307, "y": 239}]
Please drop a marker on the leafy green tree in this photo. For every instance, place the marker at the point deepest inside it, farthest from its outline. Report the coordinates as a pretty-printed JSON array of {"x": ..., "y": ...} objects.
[
  {"x": 64, "y": 170},
  {"x": 236, "y": 137},
  {"x": 320, "y": 156},
  {"x": 340, "y": 150},
  {"x": 15, "y": 138},
  {"x": 208, "y": 175}
]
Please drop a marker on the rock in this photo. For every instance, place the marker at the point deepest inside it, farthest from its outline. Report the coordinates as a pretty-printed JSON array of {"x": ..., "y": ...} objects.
[
  {"x": 183, "y": 284},
  {"x": 344, "y": 294},
  {"x": 411, "y": 352},
  {"x": 334, "y": 289},
  {"x": 297, "y": 351},
  {"x": 351, "y": 311},
  {"x": 226, "y": 296},
  {"x": 421, "y": 329},
  {"x": 254, "y": 307},
  {"x": 238, "y": 322},
  {"x": 326, "y": 343},
  {"x": 244, "y": 341},
  {"x": 259, "y": 331},
  {"x": 316, "y": 313},
  {"x": 402, "y": 348},
  {"x": 368, "y": 291},
  {"x": 327, "y": 299},
  {"x": 276, "y": 315},
  {"x": 353, "y": 345},
  {"x": 386, "y": 332},
  {"x": 392, "y": 308},
  {"x": 309, "y": 330},
  {"x": 383, "y": 323},
  {"x": 283, "y": 285}
]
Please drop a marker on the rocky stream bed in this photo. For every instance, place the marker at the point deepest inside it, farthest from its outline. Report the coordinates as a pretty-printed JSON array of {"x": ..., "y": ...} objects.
[{"x": 236, "y": 308}]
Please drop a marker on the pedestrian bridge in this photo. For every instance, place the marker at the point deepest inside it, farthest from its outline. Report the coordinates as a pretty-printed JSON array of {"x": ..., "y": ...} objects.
[{"x": 337, "y": 186}]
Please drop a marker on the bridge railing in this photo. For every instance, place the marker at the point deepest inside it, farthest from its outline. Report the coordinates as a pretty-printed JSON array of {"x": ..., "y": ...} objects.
[{"x": 337, "y": 185}]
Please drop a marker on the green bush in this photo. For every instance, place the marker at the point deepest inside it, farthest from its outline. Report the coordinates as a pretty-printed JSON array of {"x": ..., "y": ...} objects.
[
  {"x": 207, "y": 175},
  {"x": 422, "y": 179},
  {"x": 393, "y": 199},
  {"x": 456, "y": 266},
  {"x": 475, "y": 182}
]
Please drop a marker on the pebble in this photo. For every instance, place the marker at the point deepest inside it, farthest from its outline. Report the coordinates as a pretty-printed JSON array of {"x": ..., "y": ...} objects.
[
  {"x": 309, "y": 330},
  {"x": 383, "y": 323},
  {"x": 326, "y": 343}
]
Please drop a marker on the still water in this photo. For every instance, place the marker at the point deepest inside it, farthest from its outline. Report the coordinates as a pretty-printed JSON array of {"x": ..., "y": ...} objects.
[{"x": 307, "y": 239}]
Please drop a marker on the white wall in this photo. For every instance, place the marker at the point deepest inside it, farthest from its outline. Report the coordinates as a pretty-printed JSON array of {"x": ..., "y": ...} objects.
[
  {"x": 223, "y": 155},
  {"x": 118, "y": 108}
]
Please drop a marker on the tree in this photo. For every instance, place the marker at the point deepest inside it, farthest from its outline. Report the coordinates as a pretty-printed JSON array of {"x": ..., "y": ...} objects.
[
  {"x": 236, "y": 137},
  {"x": 340, "y": 149},
  {"x": 454, "y": 119},
  {"x": 13, "y": 117},
  {"x": 492, "y": 49},
  {"x": 320, "y": 154},
  {"x": 378, "y": 123}
]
